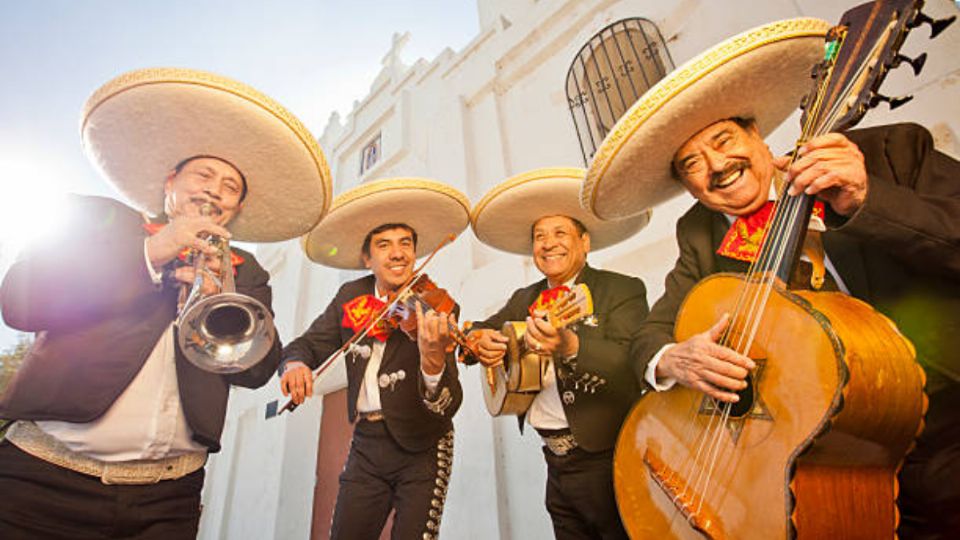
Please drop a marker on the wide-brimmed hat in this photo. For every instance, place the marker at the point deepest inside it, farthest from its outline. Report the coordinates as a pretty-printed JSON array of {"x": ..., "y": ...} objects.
[
  {"x": 505, "y": 216},
  {"x": 138, "y": 126},
  {"x": 760, "y": 74},
  {"x": 433, "y": 209}
]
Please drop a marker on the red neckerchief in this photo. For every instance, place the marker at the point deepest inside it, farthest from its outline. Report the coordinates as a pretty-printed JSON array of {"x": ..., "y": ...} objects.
[
  {"x": 547, "y": 298},
  {"x": 742, "y": 241},
  {"x": 154, "y": 228},
  {"x": 358, "y": 312}
]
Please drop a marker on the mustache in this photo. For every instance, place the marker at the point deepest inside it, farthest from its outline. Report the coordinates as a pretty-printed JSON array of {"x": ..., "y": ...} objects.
[
  {"x": 215, "y": 210},
  {"x": 735, "y": 167}
]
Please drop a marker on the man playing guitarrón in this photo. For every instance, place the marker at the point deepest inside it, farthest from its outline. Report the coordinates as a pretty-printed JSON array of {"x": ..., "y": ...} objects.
[{"x": 888, "y": 215}]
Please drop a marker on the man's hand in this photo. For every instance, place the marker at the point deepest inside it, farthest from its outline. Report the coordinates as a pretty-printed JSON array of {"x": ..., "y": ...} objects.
[
  {"x": 542, "y": 337},
  {"x": 297, "y": 382},
  {"x": 433, "y": 339},
  {"x": 702, "y": 364},
  {"x": 183, "y": 232},
  {"x": 186, "y": 275},
  {"x": 831, "y": 167},
  {"x": 491, "y": 346}
]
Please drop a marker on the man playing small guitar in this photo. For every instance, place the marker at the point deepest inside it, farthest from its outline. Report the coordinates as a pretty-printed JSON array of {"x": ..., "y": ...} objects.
[{"x": 587, "y": 387}]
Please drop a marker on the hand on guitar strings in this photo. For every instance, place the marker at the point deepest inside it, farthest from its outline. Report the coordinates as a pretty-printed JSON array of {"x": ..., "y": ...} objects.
[
  {"x": 491, "y": 346},
  {"x": 702, "y": 364},
  {"x": 831, "y": 167},
  {"x": 543, "y": 337}
]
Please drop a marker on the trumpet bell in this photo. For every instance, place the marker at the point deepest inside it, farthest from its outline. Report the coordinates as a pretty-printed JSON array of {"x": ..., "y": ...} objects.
[{"x": 226, "y": 332}]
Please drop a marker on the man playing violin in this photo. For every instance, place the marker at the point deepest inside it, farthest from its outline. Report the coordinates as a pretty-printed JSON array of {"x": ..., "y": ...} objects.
[
  {"x": 402, "y": 390},
  {"x": 111, "y": 424},
  {"x": 588, "y": 388},
  {"x": 890, "y": 234}
]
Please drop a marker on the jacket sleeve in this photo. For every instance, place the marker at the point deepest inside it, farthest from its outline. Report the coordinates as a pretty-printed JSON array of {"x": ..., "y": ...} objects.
[
  {"x": 913, "y": 198},
  {"x": 513, "y": 310},
  {"x": 92, "y": 267},
  {"x": 258, "y": 287},
  {"x": 657, "y": 330},
  {"x": 320, "y": 340},
  {"x": 607, "y": 352}
]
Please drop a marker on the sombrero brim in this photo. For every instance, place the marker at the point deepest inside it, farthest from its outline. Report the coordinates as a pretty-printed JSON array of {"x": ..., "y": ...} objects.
[
  {"x": 505, "y": 216},
  {"x": 433, "y": 209},
  {"x": 137, "y": 127},
  {"x": 759, "y": 74}
]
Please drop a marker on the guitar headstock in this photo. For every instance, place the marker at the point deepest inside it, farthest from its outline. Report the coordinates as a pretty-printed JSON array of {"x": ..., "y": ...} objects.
[
  {"x": 571, "y": 306},
  {"x": 858, "y": 54}
]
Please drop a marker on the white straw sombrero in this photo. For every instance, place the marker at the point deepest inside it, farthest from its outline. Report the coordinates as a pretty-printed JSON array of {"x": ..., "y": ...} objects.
[
  {"x": 505, "y": 216},
  {"x": 760, "y": 74},
  {"x": 138, "y": 126},
  {"x": 433, "y": 209}
]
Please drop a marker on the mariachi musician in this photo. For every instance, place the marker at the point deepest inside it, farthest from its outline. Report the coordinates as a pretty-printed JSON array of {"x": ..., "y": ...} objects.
[
  {"x": 402, "y": 390},
  {"x": 588, "y": 387},
  {"x": 112, "y": 423},
  {"x": 890, "y": 202}
]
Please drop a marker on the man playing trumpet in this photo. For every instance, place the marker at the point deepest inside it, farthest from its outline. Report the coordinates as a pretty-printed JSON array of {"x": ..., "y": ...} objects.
[{"x": 111, "y": 423}]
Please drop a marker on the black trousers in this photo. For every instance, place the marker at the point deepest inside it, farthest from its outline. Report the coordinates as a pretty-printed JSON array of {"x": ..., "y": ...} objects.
[
  {"x": 42, "y": 501},
  {"x": 580, "y": 496},
  {"x": 930, "y": 478},
  {"x": 381, "y": 476}
]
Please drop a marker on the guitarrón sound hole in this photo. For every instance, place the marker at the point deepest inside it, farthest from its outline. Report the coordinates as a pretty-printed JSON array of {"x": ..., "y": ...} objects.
[{"x": 743, "y": 407}]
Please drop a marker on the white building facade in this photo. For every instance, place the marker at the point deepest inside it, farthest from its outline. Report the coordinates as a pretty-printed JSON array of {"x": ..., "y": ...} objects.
[{"x": 473, "y": 118}]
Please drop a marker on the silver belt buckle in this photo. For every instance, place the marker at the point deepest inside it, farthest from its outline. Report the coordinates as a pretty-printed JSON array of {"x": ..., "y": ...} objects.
[{"x": 561, "y": 445}]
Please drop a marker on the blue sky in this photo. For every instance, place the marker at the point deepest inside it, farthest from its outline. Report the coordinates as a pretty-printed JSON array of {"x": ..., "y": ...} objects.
[{"x": 314, "y": 57}]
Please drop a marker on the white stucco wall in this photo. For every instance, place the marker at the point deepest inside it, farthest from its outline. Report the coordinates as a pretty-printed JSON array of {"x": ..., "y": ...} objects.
[{"x": 472, "y": 118}]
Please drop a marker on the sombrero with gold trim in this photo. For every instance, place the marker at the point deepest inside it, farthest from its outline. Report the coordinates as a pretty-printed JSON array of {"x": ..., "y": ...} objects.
[
  {"x": 760, "y": 74},
  {"x": 433, "y": 209},
  {"x": 505, "y": 216},
  {"x": 138, "y": 126}
]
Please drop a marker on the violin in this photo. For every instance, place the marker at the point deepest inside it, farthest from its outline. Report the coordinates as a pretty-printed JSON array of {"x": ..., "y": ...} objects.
[{"x": 402, "y": 312}]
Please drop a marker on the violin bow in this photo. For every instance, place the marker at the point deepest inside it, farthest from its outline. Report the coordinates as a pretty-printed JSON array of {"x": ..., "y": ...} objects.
[{"x": 362, "y": 332}]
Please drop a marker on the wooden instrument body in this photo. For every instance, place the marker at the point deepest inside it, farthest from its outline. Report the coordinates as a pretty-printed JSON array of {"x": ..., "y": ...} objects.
[
  {"x": 518, "y": 380},
  {"x": 842, "y": 401}
]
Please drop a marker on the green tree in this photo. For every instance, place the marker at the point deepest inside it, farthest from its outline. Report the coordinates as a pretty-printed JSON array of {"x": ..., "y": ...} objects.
[{"x": 10, "y": 359}]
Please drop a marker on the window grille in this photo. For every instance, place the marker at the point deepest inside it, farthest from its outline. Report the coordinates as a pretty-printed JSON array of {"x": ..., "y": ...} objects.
[{"x": 615, "y": 67}]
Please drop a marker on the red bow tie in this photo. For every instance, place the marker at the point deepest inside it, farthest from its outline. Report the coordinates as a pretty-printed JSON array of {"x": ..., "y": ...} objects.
[
  {"x": 358, "y": 312},
  {"x": 742, "y": 241}
]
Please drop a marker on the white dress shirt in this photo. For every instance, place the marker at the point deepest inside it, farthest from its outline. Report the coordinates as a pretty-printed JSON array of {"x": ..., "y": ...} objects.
[
  {"x": 546, "y": 411},
  {"x": 146, "y": 421}
]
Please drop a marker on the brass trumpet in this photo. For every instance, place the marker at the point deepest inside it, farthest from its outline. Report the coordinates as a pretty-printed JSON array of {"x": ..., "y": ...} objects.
[{"x": 224, "y": 332}]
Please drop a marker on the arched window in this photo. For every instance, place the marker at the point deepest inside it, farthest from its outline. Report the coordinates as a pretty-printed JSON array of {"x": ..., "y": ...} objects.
[{"x": 616, "y": 66}]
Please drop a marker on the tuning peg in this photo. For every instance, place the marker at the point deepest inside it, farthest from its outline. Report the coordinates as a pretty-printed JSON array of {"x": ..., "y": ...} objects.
[
  {"x": 936, "y": 26},
  {"x": 916, "y": 63},
  {"x": 876, "y": 99}
]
